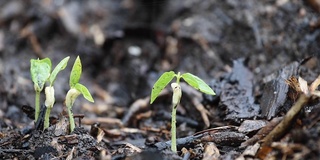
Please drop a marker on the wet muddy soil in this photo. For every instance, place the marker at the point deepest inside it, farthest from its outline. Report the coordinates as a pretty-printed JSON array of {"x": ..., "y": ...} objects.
[{"x": 251, "y": 53}]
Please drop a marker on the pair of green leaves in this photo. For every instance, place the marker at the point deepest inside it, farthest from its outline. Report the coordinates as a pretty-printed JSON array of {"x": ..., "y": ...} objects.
[
  {"x": 75, "y": 78},
  {"x": 191, "y": 79},
  {"x": 40, "y": 71}
]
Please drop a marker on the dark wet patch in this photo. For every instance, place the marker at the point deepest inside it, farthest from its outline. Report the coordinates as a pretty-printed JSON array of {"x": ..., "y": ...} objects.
[
  {"x": 275, "y": 90},
  {"x": 237, "y": 93}
]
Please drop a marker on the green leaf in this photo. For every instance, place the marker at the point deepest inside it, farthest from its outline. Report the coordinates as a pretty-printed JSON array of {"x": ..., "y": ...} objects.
[
  {"x": 162, "y": 82},
  {"x": 85, "y": 92},
  {"x": 75, "y": 72},
  {"x": 40, "y": 72},
  {"x": 197, "y": 83},
  {"x": 61, "y": 66}
]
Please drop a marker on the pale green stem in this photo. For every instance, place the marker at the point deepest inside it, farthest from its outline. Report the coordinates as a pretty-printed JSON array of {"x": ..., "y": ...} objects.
[
  {"x": 37, "y": 106},
  {"x": 173, "y": 129},
  {"x": 70, "y": 98},
  {"x": 71, "y": 119},
  {"x": 49, "y": 91},
  {"x": 46, "y": 118},
  {"x": 178, "y": 78},
  {"x": 175, "y": 102}
]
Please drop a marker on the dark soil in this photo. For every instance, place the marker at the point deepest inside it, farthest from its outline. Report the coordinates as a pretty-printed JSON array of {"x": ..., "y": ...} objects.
[{"x": 248, "y": 51}]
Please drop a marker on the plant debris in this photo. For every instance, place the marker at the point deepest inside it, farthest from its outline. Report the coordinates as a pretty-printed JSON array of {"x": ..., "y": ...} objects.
[
  {"x": 237, "y": 93},
  {"x": 260, "y": 57},
  {"x": 275, "y": 91}
]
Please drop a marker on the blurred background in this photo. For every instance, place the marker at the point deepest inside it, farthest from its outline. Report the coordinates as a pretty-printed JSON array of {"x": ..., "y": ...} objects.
[{"x": 125, "y": 45}]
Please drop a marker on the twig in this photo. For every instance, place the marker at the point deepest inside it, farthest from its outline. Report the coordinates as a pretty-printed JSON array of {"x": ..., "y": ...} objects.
[
  {"x": 283, "y": 126},
  {"x": 180, "y": 141},
  {"x": 102, "y": 120},
  {"x": 16, "y": 150},
  {"x": 138, "y": 105},
  {"x": 180, "y": 119},
  {"x": 203, "y": 111},
  {"x": 196, "y": 101}
]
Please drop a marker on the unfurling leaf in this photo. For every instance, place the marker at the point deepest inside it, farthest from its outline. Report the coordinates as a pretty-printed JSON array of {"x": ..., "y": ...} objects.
[
  {"x": 40, "y": 72},
  {"x": 197, "y": 83},
  {"x": 75, "y": 72},
  {"x": 162, "y": 82},
  {"x": 71, "y": 97},
  {"x": 176, "y": 94},
  {"x": 50, "y": 99},
  {"x": 61, "y": 66},
  {"x": 84, "y": 91}
]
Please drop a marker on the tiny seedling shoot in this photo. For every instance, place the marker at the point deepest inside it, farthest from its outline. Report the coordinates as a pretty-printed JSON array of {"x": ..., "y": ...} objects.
[
  {"x": 40, "y": 72},
  {"x": 49, "y": 90},
  {"x": 75, "y": 90},
  {"x": 163, "y": 81}
]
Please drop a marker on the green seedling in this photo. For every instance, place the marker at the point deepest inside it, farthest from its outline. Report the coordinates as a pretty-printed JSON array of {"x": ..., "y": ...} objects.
[
  {"x": 40, "y": 72},
  {"x": 163, "y": 81},
  {"x": 75, "y": 90},
  {"x": 49, "y": 90}
]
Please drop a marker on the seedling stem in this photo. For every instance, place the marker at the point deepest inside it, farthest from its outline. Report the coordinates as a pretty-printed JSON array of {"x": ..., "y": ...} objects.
[
  {"x": 75, "y": 90},
  {"x": 37, "y": 105},
  {"x": 163, "y": 81}
]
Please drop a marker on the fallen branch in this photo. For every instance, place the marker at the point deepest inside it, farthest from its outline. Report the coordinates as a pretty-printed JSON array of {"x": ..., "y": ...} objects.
[{"x": 284, "y": 125}]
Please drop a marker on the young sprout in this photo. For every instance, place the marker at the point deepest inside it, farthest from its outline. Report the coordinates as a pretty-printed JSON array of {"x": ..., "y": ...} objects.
[
  {"x": 40, "y": 72},
  {"x": 49, "y": 90},
  {"x": 163, "y": 81},
  {"x": 75, "y": 90}
]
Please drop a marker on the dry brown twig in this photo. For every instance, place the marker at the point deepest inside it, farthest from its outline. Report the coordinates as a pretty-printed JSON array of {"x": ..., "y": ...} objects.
[
  {"x": 196, "y": 98},
  {"x": 306, "y": 93}
]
